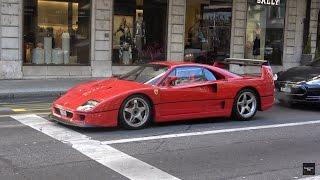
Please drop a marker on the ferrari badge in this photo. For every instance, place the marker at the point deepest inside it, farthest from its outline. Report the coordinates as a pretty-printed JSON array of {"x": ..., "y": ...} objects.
[{"x": 156, "y": 91}]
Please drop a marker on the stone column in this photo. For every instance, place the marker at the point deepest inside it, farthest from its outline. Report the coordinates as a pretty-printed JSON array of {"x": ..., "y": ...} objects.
[
  {"x": 101, "y": 43},
  {"x": 293, "y": 36},
  {"x": 238, "y": 33},
  {"x": 314, "y": 11},
  {"x": 238, "y": 29},
  {"x": 11, "y": 39},
  {"x": 176, "y": 30}
]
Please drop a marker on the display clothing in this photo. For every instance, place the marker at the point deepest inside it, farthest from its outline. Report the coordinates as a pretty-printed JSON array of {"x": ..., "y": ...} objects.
[
  {"x": 126, "y": 57},
  {"x": 66, "y": 47},
  {"x": 140, "y": 37},
  {"x": 57, "y": 56},
  {"x": 58, "y": 39},
  {"x": 125, "y": 51},
  {"x": 256, "y": 47},
  {"x": 28, "y": 51},
  {"x": 48, "y": 50},
  {"x": 38, "y": 56}
]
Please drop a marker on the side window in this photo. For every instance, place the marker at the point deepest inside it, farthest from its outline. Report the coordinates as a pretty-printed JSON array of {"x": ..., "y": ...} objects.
[
  {"x": 188, "y": 75},
  {"x": 209, "y": 75}
]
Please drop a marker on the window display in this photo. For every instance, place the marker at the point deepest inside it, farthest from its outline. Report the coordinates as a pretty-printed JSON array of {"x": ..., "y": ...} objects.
[
  {"x": 56, "y": 32},
  {"x": 139, "y": 31},
  {"x": 265, "y": 31},
  {"x": 208, "y": 30}
]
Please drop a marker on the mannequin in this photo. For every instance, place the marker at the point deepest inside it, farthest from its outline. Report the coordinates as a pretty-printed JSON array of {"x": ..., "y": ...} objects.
[
  {"x": 256, "y": 47},
  {"x": 125, "y": 42},
  {"x": 140, "y": 38},
  {"x": 66, "y": 47},
  {"x": 256, "y": 42}
]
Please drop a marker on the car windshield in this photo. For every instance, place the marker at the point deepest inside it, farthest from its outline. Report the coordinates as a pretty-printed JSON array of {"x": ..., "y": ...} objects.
[{"x": 147, "y": 74}]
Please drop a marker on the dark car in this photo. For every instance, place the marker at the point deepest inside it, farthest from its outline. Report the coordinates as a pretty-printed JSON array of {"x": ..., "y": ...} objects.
[{"x": 299, "y": 84}]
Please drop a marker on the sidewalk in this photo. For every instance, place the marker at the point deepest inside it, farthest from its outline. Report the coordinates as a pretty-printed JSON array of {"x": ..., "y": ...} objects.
[{"x": 14, "y": 89}]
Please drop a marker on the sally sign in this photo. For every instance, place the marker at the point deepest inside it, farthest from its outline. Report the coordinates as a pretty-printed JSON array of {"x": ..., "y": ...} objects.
[{"x": 269, "y": 2}]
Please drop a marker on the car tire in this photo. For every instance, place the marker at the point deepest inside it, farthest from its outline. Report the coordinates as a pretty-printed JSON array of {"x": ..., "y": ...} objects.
[
  {"x": 245, "y": 105},
  {"x": 135, "y": 112}
]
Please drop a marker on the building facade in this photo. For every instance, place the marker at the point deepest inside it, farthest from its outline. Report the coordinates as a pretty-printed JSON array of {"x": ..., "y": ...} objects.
[{"x": 99, "y": 38}]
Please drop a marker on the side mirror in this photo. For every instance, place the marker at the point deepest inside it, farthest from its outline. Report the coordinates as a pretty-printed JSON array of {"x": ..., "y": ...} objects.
[{"x": 170, "y": 81}]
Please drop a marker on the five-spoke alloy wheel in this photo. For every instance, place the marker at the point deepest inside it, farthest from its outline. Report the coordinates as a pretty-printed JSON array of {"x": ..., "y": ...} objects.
[
  {"x": 245, "y": 105},
  {"x": 135, "y": 112}
]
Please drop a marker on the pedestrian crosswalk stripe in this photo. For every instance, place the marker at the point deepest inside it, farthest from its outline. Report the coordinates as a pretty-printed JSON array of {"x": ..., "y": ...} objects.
[
  {"x": 9, "y": 115},
  {"x": 19, "y": 110},
  {"x": 311, "y": 178},
  {"x": 106, "y": 155}
]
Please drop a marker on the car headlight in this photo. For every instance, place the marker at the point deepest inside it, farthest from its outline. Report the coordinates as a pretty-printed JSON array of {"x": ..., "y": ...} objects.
[
  {"x": 88, "y": 105},
  {"x": 188, "y": 57},
  {"x": 275, "y": 77},
  {"x": 296, "y": 86}
]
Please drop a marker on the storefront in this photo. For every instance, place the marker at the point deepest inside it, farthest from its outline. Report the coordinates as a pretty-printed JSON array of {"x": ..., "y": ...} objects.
[
  {"x": 139, "y": 31},
  {"x": 265, "y": 31},
  {"x": 100, "y": 38},
  {"x": 208, "y": 30},
  {"x": 56, "y": 32}
]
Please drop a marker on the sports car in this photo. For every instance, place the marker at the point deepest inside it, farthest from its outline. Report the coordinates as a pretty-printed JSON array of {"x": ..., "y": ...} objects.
[
  {"x": 299, "y": 84},
  {"x": 163, "y": 92}
]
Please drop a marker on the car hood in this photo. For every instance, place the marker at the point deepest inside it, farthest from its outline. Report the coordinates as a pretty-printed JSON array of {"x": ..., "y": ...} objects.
[
  {"x": 96, "y": 90},
  {"x": 299, "y": 74}
]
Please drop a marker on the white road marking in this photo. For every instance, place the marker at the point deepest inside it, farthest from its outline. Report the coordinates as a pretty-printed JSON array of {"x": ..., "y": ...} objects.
[
  {"x": 19, "y": 110},
  {"x": 169, "y": 136},
  {"x": 106, "y": 155},
  {"x": 25, "y": 114},
  {"x": 311, "y": 178},
  {"x": 11, "y": 126}
]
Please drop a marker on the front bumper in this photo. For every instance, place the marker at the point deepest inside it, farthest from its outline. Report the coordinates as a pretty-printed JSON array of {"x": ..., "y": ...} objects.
[
  {"x": 79, "y": 119},
  {"x": 297, "y": 93},
  {"x": 294, "y": 98},
  {"x": 65, "y": 122}
]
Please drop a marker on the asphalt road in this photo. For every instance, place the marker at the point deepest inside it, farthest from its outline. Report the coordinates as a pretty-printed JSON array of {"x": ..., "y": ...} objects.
[{"x": 272, "y": 146}]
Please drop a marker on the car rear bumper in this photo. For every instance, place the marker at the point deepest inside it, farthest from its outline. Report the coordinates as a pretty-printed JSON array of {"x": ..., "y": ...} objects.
[
  {"x": 267, "y": 102},
  {"x": 73, "y": 118}
]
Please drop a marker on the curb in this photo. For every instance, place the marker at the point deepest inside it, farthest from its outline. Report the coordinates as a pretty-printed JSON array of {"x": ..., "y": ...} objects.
[{"x": 26, "y": 95}]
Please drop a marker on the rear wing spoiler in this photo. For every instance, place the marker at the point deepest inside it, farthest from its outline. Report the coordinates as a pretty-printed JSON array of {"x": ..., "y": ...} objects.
[
  {"x": 265, "y": 71},
  {"x": 244, "y": 62}
]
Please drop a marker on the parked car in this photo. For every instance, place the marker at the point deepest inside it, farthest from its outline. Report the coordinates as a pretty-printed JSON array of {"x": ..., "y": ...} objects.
[
  {"x": 299, "y": 84},
  {"x": 165, "y": 91}
]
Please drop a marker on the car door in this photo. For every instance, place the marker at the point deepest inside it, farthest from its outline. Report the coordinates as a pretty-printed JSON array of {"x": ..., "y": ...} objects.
[{"x": 193, "y": 93}]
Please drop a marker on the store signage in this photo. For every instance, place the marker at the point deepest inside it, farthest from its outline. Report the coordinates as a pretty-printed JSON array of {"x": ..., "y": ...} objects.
[{"x": 269, "y": 2}]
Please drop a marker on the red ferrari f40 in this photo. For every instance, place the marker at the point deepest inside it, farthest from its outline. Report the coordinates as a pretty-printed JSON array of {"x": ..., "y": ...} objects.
[{"x": 167, "y": 91}]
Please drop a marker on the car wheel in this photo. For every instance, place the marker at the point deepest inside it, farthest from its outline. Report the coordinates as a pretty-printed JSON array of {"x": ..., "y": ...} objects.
[
  {"x": 135, "y": 112},
  {"x": 245, "y": 105}
]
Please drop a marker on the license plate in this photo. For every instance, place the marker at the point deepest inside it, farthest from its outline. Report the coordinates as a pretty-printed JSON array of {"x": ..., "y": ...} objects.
[
  {"x": 63, "y": 112},
  {"x": 286, "y": 89}
]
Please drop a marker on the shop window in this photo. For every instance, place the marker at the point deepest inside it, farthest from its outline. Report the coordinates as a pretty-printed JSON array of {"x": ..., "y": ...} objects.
[
  {"x": 139, "y": 31},
  {"x": 56, "y": 32},
  {"x": 208, "y": 30},
  {"x": 265, "y": 31}
]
